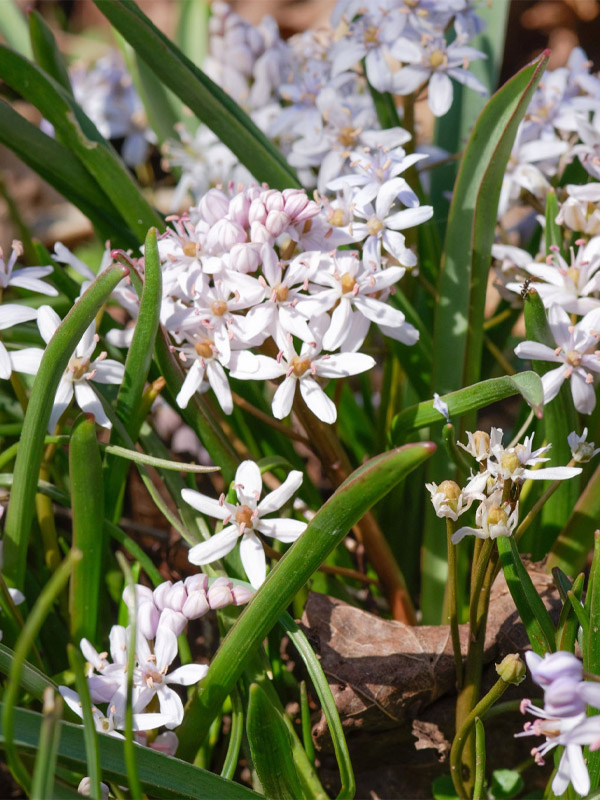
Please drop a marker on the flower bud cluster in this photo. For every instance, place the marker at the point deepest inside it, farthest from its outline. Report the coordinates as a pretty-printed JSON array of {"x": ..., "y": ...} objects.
[
  {"x": 497, "y": 485},
  {"x": 563, "y": 719}
]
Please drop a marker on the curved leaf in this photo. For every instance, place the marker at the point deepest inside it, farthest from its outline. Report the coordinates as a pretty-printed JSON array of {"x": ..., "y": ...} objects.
[{"x": 572, "y": 548}]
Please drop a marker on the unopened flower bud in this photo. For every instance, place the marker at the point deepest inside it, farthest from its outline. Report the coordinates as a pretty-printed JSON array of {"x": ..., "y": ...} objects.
[
  {"x": 510, "y": 461},
  {"x": 137, "y": 593},
  {"x": 196, "y": 605},
  {"x": 166, "y": 742},
  {"x": 241, "y": 595},
  {"x": 239, "y": 207},
  {"x": 481, "y": 442},
  {"x": 259, "y": 234},
  {"x": 219, "y": 594},
  {"x": 546, "y": 670},
  {"x": 161, "y": 593},
  {"x": 213, "y": 206},
  {"x": 512, "y": 669},
  {"x": 176, "y": 596},
  {"x": 257, "y": 212},
  {"x": 224, "y": 234},
  {"x": 273, "y": 200},
  {"x": 277, "y": 222},
  {"x": 174, "y": 620},
  {"x": 244, "y": 257},
  {"x": 85, "y": 788},
  {"x": 147, "y": 619},
  {"x": 196, "y": 583}
]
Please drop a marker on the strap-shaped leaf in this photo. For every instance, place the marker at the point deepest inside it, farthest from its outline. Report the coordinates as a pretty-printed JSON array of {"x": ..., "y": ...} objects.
[
  {"x": 527, "y": 384},
  {"x": 571, "y": 549},
  {"x": 79, "y": 133},
  {"x": 46, "y": 52},
  {"x": 161, "y": 775},
  {"x": 29, "y": 457},
  {"x": 366, "y": 486},
  {"x": 207, "y": 100}
]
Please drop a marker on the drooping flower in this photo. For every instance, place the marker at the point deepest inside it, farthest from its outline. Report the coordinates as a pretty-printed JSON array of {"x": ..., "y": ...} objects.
[{"x": 581, "y": 449}]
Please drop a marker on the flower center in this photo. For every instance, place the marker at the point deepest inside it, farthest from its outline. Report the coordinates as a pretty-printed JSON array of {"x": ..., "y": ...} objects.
[
  {"x": 337, "y": 218},
  {"x": 574, "y": 358},
  {"x": 243, "y": 516},
  {"x": 371, "y": 35},
  {"x": 510, "y": 462},
  {"x": 481, "y": 440},
  {"x": 219, "y": 307},
  {"x": 348, "y": 282},
  {"x": 573, "y": 273},
  {"x": 374, "y": 226},
  {"x": 299, "y": 365},
  {"x": 347, "y": 136},
  {"x": 497, "y": 516},
  {"x": 437, "y": 58},
  {"x": 79, "y": 367},
  {"x": 189, "y": 249},
  {"x": 281, "y": 292},
  {"x": 451, "y": 490},
  {"x": 204, "y": 348}
]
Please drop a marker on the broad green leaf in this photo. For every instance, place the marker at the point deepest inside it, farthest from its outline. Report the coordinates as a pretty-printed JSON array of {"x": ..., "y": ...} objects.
[
  {"x": 326, "y": 530},
  {"x": 77, "y": 132},
  {"x": 207, "y": 100},
  {"x": 87, "y": 504},
  {"x": 506, "y": 783},
  {"x": 571, "y": 550},
  {"x": 161, "y": 775},
  {"x": 57, "y": 165},
  {"x": 463, "y": 401},
  {"x": 29, "y": 458},
  {"x": 45, "y": 50},
  {"x": 269, "y": 742},
  {"x": 560, "y": 418},
  {"x": 530, "y": 606},
  {"x": 137, "y": 365}
]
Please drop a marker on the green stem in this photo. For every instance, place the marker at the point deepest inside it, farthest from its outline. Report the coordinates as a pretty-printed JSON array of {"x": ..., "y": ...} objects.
[
  {"x": 451, "y": 610},
  {"x": 478, "y": 789},
  {"x": 494, "y": 694}
]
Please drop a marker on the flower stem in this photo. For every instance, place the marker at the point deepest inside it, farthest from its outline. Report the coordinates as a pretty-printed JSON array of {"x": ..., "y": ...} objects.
[
  {"x": 451, "y": 604},
  {"x": 494, "y": 694},
  {"x": 479, "y": 759}
]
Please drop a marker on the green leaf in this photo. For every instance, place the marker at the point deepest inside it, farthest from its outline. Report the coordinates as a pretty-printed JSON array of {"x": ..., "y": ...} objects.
[
  {"x": 463, "y": 401},
  {"x": 87, "y": 504},
  {"x": 552, "y": 230},
  {"x": 591, "y": 650},
  {"x": 137, "y": 366},
  {"x": 506, "y": 783},
  {"x": 161, "y": 775},
  {"x": 90, "y": 736},
  {"x": 46, "y": 52},
  {"x": 323, "y": 690},
  {"x": 30, "y": 678},
  {"x": 364, "y": 487},
  {"x": 14, "y": 28},
  {"x": 530, "y": 606},
  {"x": 29, "y": 457},
  {"x": 442, "y": 788},
  {"x": 568, "y": 623},
  {"x": 560, "y": 418},
  {"x": 45, "y": 762},
  {"x": 57, "y": 165},
  {"x": 207, "y": 100},
  {"x": 77, "y": 132},
  {"x": 571, "y": 549},
  {"x": 192, "y": 29},
  {"x": 270, "y": 747}
]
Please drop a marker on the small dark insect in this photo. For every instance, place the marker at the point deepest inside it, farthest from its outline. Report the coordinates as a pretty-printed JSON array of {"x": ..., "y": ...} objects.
[{"x": 525, "y": 288}]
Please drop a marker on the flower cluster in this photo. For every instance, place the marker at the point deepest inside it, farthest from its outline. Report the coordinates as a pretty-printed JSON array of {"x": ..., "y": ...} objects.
[
  {"x": 563, "y": 719},
  {"x": 497, "y": 485},
  {"x": 161, "y": 615}
]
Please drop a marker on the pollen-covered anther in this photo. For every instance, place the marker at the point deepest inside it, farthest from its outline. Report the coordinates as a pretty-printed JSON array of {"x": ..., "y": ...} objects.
[
  {"x": 510, "y": 461},
  {"x": 374, "y": 226},
  {"x": 244, "y": 516},
  {"x": 347, "y": 282},
  {"x": 204, "y": 349},
  {"x": 280, "y": 293},
  {"x": 574, "y": 358},
  {"x": 218, "y": 308}
]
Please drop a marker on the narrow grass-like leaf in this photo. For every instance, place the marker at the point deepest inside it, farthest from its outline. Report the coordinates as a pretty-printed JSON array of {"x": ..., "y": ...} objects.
[
  {"x": 571, "y": 549},
  {"x": 29, "y": 458},
  {"x": 207, "y": 100},
  {"x": 463, "y": 401},
  {"x": 552, "y": 230},
  {"x": 323, "y": 690},
  {"x": 560, "y": 418},
  {"x": 137, "y": 365},
  {"x": 161, "y": 775},
  {"x": 325, "y": 531},
  {"x": 31, "y": 679},
  {"x": 270, "y": 748},
  {"x": 90, "y": 736},
  {"x": 34, "y": 622},
  {"x": 591, "y": 651},
  {"x": 192, "y": 29},
  {"x": 532, "y": 611},
  {"x": 87, "y": 504},
  {"x": 78, "y": 133},
  {"x": 45, "y": 762},
  {"x": 45, "y": 50},
  {"x": 57, "y": 165},
  {"x": 568, "y": 623},
  {"x": 236, "y": 735},
  {"x": 307, "y": 741},
  {"x": 13, "y": 28}
]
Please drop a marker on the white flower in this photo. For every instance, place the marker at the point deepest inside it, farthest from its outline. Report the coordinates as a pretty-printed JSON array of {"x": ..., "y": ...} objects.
[
  {"x": 244, "y": 518},
  {"x": 26, "y": 360},
  {"x": 581, "y": 450},
  {"x": 26, "y": 278},
  {"x": 448, "y": 500},
  {"x": 493, "y": 517},
  {"x": 80, "y": 370},
  {"x": 576, "y": 353}
]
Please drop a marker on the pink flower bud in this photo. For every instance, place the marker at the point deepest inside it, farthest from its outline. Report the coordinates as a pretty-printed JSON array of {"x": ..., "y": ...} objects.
[
  {"x": 245, "y": 257},
  {"x": 277, "y": 222},
  {"x": 213, "y": 206},
  {"x": 219, "y": 594},
  {"x": 166, "y": 742},
  {"x": 196, "y": 583},
  {"x": 196, "y": 605},
  {"x": 553, "y": 666},
  {"x": 259, "y": 234},
  {"x": 273, "y": 200},
  {"x": 160, "y": 594},
  {"x": 258, "y": 212},
  {"x": 142, "y": 594},
  {"x": 241, "y": 595},
  {"x": 239, "y": 207},
  {"x": 174, "y": 620},
  {"x": 223, "y": 235},
  {"x": 147, "y": 619},
  {"x": 177, "y": 596}
]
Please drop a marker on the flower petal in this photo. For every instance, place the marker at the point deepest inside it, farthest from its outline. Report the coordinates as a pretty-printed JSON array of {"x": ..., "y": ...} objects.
[
  {"x": 318, "y": 402},
  {"x": 286, "y": 530},
  {"x": 279, "y": 497},
  {"x": 216, "y": 547},
  {"x": 206, "y": 505},
  {"x": 253, "y": 559}
]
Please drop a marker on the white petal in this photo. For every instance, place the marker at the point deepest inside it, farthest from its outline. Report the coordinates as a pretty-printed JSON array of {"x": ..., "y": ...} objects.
[
  {"x": 279, "y": 497},
  {"x": 253, "y": 559},
  {"x": 191, "y": 384},
  {"x": 13, "y": 314},
  {"x": 536, "y": 351},
  {"x": 187, "y": 675},
  {"x": 64, "y": 395},
  {"x": 579, "y": 774},
  {"x": 552, "y": 381},
  {"x": 27, "y": 360},
  {"x": 409, "y": 217},
  {"x": 584, "y": 394},
  {"x": 379, "y": 312},
  {"x": 88, "y": 401},
  {"x": 440, "y": 94},
  {"x": 220, "y": 385},
  {"x": 318, "y": 402},
  {"x": 108, "y": 371},
  {"x": 552, "y": 473},
  {"x": 165, "y": 647},
  {"x": 286, "y": 530},
  {"x": 338, "y": 329},
  {"x": 171, "y": 706},
  {"x": 206, "y": 505},
  {"x": 344, "y": 364},
  {"x": 248, "y": 480},
  {"x": 216, "y": 547},
  {"x": 284, "y": 397},
  {"x": 48, "y": 321},
  {"x": 6, "y": 365}
]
